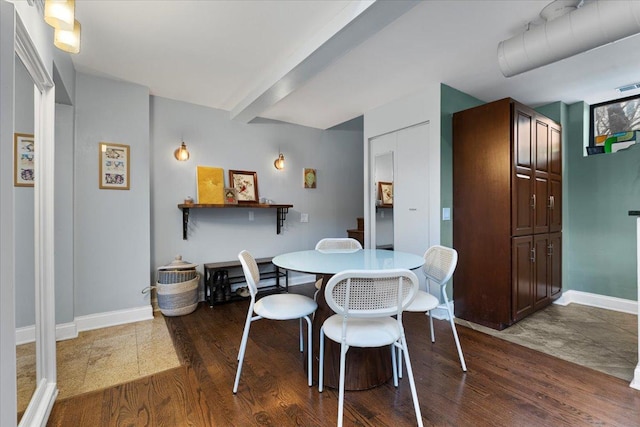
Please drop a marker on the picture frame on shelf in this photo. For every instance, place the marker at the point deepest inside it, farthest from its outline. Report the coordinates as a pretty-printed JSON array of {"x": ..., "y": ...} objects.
[
  {"x": 246, "y": 185},
  {"x": 23, "y": 160},
  {"x": 114, "y": 166},
  {"x": 230, "y": 196},
  {"x": 385, "y": 193}
]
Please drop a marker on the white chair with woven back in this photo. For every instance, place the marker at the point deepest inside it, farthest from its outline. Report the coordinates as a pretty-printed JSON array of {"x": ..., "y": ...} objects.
[
  {"x": 365, "y": 303},
  {"x": 439, "y": 264},
  {"x": 334, "y": 243},
  {"x": 274, "y": 307}
]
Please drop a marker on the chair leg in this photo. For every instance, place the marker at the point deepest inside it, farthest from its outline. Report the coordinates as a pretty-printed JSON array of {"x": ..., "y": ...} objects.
[
  {"x": 343, "y": 356},
  {"x": 433, "y": 336},
  {"x": 309, "y": 355},
  {"x": 394, "y": 364},
  {"x": 412, "y": 383},
  {"x": 399, "y": 362},
  {"x": 321, "y": 363},
  {"x": 301, "y": 337},
  {"x": 455, "y": 332},
  {"x": 243, "y": 347}
]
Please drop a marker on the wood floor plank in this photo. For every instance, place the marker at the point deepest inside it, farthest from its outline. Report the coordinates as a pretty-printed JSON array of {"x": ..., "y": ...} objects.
[{"x": 506, "y": 384}]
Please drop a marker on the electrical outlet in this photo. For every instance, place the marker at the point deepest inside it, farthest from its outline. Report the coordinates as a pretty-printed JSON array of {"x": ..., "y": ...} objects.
[
  {"x": 304, "y": 217},
  {"x": 250, "y": 215}
]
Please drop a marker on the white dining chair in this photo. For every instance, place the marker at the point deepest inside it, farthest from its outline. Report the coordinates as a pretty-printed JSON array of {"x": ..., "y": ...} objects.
[
  {"x": 365, "y": 302},
  {"x": 338, "y": 243},
  {"x": 439, "y": 264},
  {"x": 274, "y": 307}
]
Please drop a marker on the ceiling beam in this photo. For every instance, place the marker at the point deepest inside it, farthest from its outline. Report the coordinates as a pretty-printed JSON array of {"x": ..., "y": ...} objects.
[{"x": 356, "y": 23}]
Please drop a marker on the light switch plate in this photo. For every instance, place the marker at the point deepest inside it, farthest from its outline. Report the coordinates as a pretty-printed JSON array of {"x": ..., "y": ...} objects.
[
  {"x": 304, "y": 217},
  {"x": 250, "y": 215},
  {"x": 446, "y": 214}
]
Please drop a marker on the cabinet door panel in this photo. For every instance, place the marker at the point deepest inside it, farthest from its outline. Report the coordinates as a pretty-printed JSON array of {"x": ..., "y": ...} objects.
[
  {"x": 541, "y": 265},
  {"x": 541, "y": 147},
  {"x": 522, "y": 209},
  {"x": 555, "y": 150},
  {"x": 522, "y": 277},
  {"x": 555, "y": 265},
  {"x": 523, "y": 137},
  {"x": 555, "y": 205},
  {"x": 541, "y": 196}
]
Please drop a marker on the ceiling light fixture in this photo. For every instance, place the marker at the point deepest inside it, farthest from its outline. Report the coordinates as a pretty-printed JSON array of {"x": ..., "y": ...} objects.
[
  {"x": 181, "y": 153},
  {"x": 68, "y": 41},
  {"x": 60, "y": 14},
  {"x": 279, "y": 163}
]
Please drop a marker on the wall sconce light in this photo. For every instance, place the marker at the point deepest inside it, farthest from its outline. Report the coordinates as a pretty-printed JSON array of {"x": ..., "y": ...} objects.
[
  {"x": 279, "y": 163},
  {"x": 181, "y": 153}
]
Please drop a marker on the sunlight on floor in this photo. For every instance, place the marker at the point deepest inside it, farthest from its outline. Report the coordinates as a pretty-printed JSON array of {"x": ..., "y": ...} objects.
[{"x": 102, "y": 358}]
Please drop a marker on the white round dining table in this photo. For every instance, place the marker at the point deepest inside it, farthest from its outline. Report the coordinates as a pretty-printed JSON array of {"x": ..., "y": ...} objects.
[{"x": 365, "y": 367}]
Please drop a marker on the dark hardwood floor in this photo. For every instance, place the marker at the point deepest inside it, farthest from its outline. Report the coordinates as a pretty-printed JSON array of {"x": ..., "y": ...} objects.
[{"x": 506, "y": 384}]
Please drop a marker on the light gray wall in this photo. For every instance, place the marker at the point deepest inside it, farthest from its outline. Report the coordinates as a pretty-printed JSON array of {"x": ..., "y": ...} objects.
[
  {"x": 111, "y": 227},
  {"x": 214, "y": 140},
  {"x": 64, "y": 214},
  {"x": 23, "y": 208}
]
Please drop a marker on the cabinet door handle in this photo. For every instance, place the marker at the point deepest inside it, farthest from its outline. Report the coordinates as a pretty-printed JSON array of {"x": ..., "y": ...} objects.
[
  {"x": 533, "y": 201},
  {"x": 550, "y": 249},
  {"x": 552, "y": 202},
  {"x": 533, "y": 255}
]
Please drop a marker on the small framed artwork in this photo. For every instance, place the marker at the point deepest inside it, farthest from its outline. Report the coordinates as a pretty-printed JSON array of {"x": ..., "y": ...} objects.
[
  {"x": 23, "y": 157},
  {"x": 309, "y": 176},
  {"x": 385, "y": 192},
  {"x": 114, "y": 166},
  {"x": 230, "y": 196},
  {"x": 245, "y": 184}
]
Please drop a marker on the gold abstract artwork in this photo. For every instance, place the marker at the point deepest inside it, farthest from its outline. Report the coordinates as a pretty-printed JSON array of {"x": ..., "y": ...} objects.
[{"x": 210, "y": 185}]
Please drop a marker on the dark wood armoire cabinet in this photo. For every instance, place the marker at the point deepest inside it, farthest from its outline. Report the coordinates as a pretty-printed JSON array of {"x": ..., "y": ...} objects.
[{"x": 507, "y": 212}]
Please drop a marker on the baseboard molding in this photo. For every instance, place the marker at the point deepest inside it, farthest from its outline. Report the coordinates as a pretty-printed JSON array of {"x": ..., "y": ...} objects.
[
  {"x": 600, "y": 301},
  {"x": 114, "y": 318},
  {"x": 65, "y": 331}
]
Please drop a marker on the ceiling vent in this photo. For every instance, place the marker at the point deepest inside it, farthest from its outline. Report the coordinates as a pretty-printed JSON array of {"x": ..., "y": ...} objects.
[
  {"x": 568, "y": 31},
  {"x": 627, "y": 88}
]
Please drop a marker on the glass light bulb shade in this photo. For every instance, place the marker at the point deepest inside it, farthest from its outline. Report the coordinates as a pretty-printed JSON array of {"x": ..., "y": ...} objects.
[
  {"x": 279, "y": 163},
  {"x": 182, "y": 153},
  {"x": 69, "y": 41},
  {"x": 60, "y": 14}
]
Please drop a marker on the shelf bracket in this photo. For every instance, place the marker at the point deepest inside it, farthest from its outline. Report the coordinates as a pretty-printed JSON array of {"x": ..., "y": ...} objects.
[
  {"x": 185, "y": 222},
  {"x": 282, "y": 215}
]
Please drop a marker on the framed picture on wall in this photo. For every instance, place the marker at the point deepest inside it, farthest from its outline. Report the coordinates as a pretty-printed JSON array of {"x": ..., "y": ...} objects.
[
  {"x": 385, "y": 193},
  {"x": 23, "y": 157},
  {"x": 310, "y": 178},
  {"x": 246, "y": 185},
  {"x": 113, "y": 166}
]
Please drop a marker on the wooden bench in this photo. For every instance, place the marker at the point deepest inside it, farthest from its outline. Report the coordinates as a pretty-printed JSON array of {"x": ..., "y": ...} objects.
[{"x": 235, "y": 275}]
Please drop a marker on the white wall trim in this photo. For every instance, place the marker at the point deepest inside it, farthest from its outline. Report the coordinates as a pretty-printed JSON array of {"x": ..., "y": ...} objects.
[
  {"x": 113, "y": 318},
  {"x": 600, "y": 301}
]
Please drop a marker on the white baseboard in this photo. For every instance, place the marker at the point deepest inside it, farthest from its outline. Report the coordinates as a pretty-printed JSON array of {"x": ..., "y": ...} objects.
[
  {"x": 65, "y": 331},
  {"x": 600, "y": 301}
]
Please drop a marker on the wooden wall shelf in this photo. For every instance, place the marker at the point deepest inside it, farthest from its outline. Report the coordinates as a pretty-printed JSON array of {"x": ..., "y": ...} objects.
[{"x": 281, "y": 212}]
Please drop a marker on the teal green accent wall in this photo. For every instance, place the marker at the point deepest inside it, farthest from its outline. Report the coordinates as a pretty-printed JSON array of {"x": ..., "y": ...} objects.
[
  {"x": 451, "y": 101},
  {"x": 599, "y": 234}
]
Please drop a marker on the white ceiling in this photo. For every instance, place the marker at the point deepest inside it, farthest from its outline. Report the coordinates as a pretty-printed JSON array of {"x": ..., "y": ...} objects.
[{"x": 321, "y": 63}]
